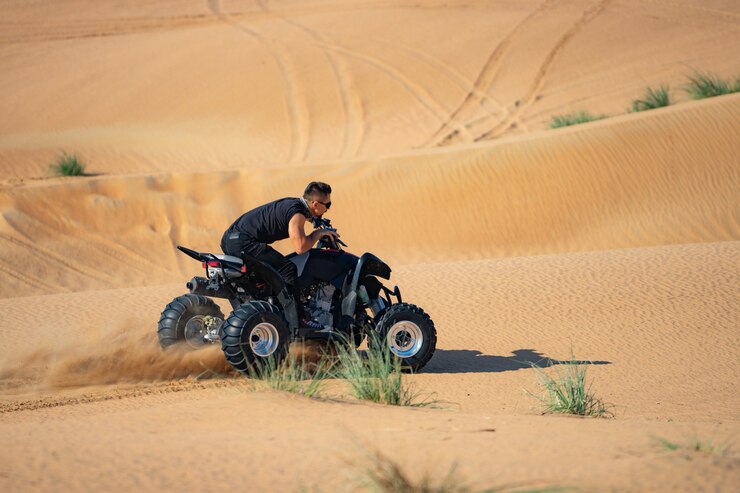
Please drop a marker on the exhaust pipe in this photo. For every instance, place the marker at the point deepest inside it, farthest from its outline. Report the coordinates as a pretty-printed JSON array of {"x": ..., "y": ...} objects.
[{"x": 201, "y": 286}]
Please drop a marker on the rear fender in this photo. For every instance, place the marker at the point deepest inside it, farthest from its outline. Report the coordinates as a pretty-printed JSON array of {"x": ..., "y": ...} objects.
[
  {"x": 191, "y": 253},
  {"x": 266, "y": 272},
  {"x": 277, "y": 283}
]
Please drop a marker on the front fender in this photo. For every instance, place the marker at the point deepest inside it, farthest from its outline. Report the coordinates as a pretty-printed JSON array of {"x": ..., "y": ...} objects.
[{"x": 367, "y": 265}]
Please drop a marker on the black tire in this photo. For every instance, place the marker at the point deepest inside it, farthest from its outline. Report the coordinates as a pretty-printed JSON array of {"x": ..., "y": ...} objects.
[
  {"x": 171, "y": 327},
  {"x": 401, "y": 312},
  {"x": 240, "y": 327}
]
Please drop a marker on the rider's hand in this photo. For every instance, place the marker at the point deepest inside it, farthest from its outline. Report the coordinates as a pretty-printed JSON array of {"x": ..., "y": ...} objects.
[{"x": 332, "y": 234}]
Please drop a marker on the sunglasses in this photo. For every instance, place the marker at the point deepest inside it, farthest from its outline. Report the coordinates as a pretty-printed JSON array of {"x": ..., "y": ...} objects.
[{"x": 325, "y": 204}]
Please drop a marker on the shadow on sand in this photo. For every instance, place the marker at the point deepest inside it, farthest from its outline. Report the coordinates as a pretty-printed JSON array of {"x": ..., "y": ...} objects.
[{"x": 471, "y": 361}]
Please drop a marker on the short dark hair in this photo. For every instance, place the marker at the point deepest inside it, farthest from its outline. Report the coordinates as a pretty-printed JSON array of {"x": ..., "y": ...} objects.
[{"x": 315, "y": 188}]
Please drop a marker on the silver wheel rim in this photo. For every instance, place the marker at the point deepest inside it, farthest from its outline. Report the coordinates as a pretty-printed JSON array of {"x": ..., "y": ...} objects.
[
  {"x": 196, "y": 329},
  {"x": 264, "y": 339},
  {"x": 405, "y": 339}
]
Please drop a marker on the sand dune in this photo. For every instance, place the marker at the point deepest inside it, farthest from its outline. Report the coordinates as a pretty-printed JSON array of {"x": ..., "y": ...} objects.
[
  {"x": 192, "y": 86},
  {"x": 616, "y": 242},
  {"x": 657, "y": 321},
  {"x": 663, "y": 177},
  {"x": 659, "y": 326}
]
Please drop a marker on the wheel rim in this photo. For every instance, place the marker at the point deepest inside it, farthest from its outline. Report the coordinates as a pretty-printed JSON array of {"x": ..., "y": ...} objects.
[
  {"x": 198, "y": 327},
  {"x": 405, "y": 339},
  {"x": 264, "y": 339},
  {"x": 195, "y": 330}
]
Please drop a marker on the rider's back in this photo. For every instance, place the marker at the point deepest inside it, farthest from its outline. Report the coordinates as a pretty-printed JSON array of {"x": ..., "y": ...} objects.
[{"x": 269, "y": 223}]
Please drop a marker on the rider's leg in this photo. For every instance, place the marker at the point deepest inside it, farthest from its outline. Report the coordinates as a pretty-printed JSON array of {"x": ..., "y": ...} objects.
[
  {"x": 238, "y": 245},
  {"x": 285, "y": 268},
  {"x": 288, "y": 271}
]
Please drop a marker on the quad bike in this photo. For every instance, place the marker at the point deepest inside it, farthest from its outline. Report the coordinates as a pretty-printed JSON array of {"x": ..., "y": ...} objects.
[{"x": 339, "y": 290}]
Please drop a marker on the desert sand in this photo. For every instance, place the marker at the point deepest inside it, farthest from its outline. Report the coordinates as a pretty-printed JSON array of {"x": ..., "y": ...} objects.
[{"x": 616, "y": 242}]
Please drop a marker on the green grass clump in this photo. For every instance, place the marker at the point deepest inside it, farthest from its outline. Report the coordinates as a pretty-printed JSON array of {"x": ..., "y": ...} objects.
[
  {"x": 654, "y": 98},
  {"x": 386, "y": 476},
  {"x": 375, "y": 375},
  {"x": 574, "y": 119},
  {"x": 381, "y": 474},
  {"x": 291, "y": 375},
  {"x": 567, "y": 392},
  {"x": 694, "y": 444},
  {"x": 68, "y": 165},
  {"x": 704, "y": 85}
]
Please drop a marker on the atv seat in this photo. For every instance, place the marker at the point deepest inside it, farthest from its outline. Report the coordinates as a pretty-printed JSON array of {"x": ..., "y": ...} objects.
[{"x": 228, "y": 258}]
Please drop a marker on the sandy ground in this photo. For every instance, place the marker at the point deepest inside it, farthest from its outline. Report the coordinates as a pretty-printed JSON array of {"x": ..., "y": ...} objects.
[{"x": 615, "y": 242}]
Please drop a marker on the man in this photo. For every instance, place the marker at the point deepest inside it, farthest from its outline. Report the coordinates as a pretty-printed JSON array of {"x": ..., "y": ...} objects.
[{"x": 255, "y": 230}]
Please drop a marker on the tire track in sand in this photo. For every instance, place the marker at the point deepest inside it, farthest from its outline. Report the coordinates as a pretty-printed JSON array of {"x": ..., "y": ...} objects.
[
  {"x": 25, "y": 32},
  {"x": 484, "y": 79},
  {"x": 47, "y": 255},
  {"x": 153, "y": 389},
  {"x": 354, "y": 130},
  {"x": 541, "y": 76},
  {"x": 417, "y": 91},
  {"x": 29, "y": 279},
  {"x": 452, "y": 74},
  {"x": 297, "y": 113}
]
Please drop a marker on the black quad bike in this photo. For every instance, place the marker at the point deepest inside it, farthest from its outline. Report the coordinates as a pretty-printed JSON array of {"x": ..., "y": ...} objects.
[{"x": 339, "y": 290}]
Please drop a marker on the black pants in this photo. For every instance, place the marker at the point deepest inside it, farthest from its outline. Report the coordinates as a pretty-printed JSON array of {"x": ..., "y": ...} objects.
[{"x": 238, "y": 244}]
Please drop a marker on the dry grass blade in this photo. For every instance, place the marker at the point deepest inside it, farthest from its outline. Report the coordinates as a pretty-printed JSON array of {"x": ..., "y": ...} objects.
[
  {"x": 375, "y": 375},
  {"x": 654, "y": 98},
  {"x": 705, "y": 85},
  {"x": 574, "y": 119},
  {"x": 567, "y": 392},
  {"x": 68, "y": 165}
]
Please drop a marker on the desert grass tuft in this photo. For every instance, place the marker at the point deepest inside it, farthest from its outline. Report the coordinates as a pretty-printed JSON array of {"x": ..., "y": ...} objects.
[
  {"x": 68, "y": 165},
  {"x": 705, "y": 85},
  {"x": 695, "y": 444},
  {"x": 375, "y": 375},
  {"x": 654, "y": 98},
  {"x": 567, "y": 392},
  {"x": 381, "y": 474},
  {"x": 291, "y": 375},
  {"x": 574, "y": 119}
]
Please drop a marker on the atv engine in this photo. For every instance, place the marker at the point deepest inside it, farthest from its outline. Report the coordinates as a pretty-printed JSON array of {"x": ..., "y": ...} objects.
[{"x": 319, "y": 304}]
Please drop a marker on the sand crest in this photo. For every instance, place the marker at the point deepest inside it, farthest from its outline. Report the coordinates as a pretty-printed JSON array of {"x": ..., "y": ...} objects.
[{"x": 616, "y": 242}]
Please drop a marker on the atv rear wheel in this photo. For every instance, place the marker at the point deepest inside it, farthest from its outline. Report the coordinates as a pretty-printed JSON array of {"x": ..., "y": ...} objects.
[
  {"x": 254, "y": 334},
  {"x": 409, "y": 334},
  {"x": 186, "y": 319}
]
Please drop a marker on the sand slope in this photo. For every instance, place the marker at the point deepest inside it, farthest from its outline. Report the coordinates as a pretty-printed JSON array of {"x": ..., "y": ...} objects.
[
  {"x": 659, "y": 326},
  {"x": 217, "y": 84},
  {"x": 658, "y": 323},
  {"x": 615, "y": 242},
  {"x": 662, "y": 177}
]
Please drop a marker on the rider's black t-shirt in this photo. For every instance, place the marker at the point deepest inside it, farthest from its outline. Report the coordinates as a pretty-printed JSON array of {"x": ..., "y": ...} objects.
[{"x": 269, "y": 223}]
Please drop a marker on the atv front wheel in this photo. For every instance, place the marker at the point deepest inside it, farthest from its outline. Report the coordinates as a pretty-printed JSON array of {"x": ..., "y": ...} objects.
[
  {"x": 187, "y": 319},
  {"x": 254, "y": 334},
  {"x": 409, "y": 334}
]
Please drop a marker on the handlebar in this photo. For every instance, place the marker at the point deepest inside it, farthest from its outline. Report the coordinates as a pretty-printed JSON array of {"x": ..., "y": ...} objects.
[{"x": 321, "y": 223}]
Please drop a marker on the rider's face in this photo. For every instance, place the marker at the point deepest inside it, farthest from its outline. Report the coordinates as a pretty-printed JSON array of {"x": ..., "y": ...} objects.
[{"x": 321, "y": 205}]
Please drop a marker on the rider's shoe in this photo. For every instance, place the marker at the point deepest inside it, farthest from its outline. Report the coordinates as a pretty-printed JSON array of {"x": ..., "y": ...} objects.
[{"x": 311, "y": 324}]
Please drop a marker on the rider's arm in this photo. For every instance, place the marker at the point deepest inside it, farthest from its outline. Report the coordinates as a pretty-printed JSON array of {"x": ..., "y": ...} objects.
[{"x": 299, "y": 239}]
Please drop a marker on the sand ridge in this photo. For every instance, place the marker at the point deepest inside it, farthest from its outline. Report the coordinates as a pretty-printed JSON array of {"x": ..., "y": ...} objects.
[
  {"x": 660, "y": 178},
  {"x": 249, "y": 84},
  {"x": 616, "y": 243}
]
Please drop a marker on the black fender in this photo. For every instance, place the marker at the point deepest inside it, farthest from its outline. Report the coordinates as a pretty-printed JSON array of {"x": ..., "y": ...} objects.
[
  {"x": 368, "y": 264},
  {"x": 277, "y": 283}
]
